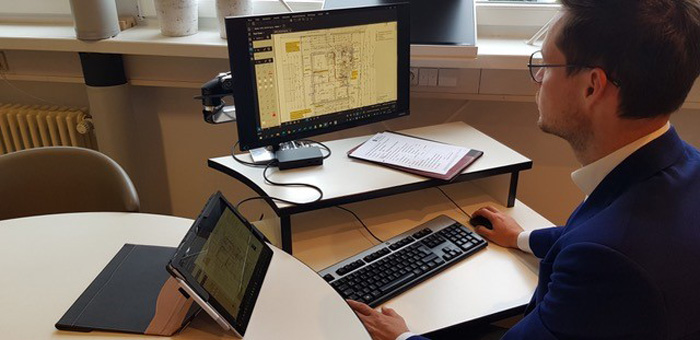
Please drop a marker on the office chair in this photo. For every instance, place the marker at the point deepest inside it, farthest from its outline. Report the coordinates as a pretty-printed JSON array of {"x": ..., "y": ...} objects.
[{"x": 63, "y": 179}]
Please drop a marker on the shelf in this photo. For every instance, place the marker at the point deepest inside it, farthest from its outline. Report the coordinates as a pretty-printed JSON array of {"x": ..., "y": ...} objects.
[{"x": 364, "y": 180}]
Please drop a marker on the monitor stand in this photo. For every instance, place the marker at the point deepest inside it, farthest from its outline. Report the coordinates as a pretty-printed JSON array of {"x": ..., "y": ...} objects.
[{"x": 288, "y": 155}]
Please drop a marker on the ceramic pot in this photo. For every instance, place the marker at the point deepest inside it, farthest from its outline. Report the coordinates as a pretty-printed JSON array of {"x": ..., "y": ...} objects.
[
  {"x": 177, "y": 17},
  {"x": 95, "y": 19},
  {"x": 227, "y": 8}
]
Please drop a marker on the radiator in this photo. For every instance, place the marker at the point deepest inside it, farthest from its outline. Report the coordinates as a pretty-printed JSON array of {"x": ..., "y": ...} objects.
[{"x": 25, "y": 127}]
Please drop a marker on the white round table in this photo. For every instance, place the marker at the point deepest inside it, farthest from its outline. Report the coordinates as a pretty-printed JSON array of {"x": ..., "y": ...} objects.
[{"x": 48, "y": 261}]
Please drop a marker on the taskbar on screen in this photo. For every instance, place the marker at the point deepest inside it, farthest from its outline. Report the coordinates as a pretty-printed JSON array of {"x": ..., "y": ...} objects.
[{"x": 330, "y": 122}]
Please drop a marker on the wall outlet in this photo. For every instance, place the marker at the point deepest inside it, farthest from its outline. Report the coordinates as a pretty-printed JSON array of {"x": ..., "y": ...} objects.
[
  {"x": 427, "y": 77},
  {"x": 448, "y": 77},
  {"x": 3, "y": 62},
  {"x": 414, "y": 76}
]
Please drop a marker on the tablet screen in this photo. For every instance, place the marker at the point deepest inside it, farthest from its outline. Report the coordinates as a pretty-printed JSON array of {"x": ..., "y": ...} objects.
[{"x": 224, "y": 259}]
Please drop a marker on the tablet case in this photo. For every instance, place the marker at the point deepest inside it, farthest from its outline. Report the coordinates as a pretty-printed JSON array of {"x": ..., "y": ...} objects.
[{"x": 134, "y": 293}]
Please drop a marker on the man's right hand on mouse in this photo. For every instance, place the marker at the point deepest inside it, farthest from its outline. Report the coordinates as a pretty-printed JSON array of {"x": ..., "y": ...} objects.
[{"x": 505, "y": 230}]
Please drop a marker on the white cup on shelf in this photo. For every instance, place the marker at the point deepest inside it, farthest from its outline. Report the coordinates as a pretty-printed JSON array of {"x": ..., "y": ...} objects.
[
  {"x": 226, "y": 8},
  {"x": 177, "y": 17}
]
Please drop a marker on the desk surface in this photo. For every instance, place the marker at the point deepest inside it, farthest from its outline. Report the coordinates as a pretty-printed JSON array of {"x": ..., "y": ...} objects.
[
  {"x": 493, "y": 280},
  {"x": 362, "y": 180},
  {"x": 47, "y": 262}
]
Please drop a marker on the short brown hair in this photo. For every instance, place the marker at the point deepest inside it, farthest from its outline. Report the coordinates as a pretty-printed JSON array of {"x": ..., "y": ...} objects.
[{"x": 651, "y": 47}]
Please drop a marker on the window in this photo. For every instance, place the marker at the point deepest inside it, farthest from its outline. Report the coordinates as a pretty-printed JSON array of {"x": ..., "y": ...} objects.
[
  {"x": 51, "y": 9},
  {"x": 27, "y": 9},
  {"x": 495, "y": 18},
  {"x": 207, "y": 8},
  {"x": 520, "y": 1},
  {"x": 513, "y": 18}
]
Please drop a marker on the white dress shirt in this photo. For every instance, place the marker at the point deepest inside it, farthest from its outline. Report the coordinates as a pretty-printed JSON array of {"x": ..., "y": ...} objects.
[
  {"x": 588, "y": 177},
  {"x": 405, "y": 336}
]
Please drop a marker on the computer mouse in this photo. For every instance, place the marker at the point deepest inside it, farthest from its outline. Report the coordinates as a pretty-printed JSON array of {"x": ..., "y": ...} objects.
[{"x": 482, "y": 221}]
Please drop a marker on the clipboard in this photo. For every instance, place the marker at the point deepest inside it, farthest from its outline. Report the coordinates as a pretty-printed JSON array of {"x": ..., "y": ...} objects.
[{"x": 469, "y": 158}]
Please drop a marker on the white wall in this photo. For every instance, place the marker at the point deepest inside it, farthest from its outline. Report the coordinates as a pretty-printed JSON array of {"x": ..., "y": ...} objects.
[{"x": 173, "y": 177}]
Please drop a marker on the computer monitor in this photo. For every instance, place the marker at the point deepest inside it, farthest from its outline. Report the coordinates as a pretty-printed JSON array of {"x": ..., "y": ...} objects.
[{"x": 297, "y": 75}]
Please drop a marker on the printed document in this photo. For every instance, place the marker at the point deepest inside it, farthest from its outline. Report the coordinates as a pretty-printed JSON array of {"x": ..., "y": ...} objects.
[{"x": 410, "y": 152}]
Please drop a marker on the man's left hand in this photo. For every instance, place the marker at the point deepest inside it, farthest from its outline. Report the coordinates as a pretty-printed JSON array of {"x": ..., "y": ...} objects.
[{"x": 387, "y": 325}]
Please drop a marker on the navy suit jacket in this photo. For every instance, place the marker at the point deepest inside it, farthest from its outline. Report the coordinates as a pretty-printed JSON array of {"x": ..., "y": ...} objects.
[{"x": 627, "y": 263}]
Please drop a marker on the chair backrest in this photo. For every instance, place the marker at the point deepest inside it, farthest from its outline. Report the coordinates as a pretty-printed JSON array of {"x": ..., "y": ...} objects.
[{"x": 63, "y": 179}]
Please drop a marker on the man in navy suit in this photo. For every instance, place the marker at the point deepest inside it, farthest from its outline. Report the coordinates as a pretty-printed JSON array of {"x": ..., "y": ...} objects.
[{"x": 627, "y": 263}]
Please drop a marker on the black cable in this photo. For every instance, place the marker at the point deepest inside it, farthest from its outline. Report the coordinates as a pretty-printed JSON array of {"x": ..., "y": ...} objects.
[
  {"x": 469, "y": 216},
  {"x": 270, "y": 198},
  {"x": 268, "y": 180},
  {"x": 267, "y": 198},
  {"x": 363, "y": 224}
]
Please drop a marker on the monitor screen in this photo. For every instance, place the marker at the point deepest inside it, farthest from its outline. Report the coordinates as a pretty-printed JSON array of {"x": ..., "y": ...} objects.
[{"x": 297, "y": 75}]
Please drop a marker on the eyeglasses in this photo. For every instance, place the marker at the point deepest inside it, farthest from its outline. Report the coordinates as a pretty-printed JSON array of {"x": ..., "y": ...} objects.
[{"x": 536, "y": 64}]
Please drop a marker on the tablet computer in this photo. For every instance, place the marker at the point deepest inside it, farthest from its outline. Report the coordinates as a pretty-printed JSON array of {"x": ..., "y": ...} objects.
[{"x": 221, "y": 263}]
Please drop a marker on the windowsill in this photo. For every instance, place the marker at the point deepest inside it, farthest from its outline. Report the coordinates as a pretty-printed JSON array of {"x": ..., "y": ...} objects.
[{"x": 145, "y": 39}]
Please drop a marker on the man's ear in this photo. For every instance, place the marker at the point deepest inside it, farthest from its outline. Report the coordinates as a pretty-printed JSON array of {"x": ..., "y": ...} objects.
[{"x": 596, "y": 84}]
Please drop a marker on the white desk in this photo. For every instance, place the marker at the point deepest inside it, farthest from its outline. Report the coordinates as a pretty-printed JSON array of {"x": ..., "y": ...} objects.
[
  {"x": 492, "y": 281},
  {"x": 345, "y": 180},
  {"x": 48, "y": 261}
]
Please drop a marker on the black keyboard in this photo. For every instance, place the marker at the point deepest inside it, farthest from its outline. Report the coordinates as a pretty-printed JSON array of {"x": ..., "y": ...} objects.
[{"x": 388, "y": 269}]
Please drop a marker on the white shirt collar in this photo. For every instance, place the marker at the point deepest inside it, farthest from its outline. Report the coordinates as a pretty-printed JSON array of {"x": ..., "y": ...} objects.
[{"x": 588, "y": 177}]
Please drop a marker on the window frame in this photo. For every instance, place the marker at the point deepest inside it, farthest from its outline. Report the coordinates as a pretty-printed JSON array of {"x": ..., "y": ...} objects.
[
  {"x": 503, "y": 18},
  {"x": 494, "y": 19}
]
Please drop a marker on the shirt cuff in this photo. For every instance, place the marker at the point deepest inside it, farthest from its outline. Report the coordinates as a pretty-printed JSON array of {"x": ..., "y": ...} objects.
[
  {"x": 405, "y": 335},
  {"x": 524, "y": 241}
]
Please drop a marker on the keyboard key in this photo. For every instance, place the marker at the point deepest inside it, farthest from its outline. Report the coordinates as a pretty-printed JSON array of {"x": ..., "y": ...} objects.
[
  {"x": 429, "y": 258},
  {"x": 467, "y": 246},
  {"x": 397, "y": 282},
  {"x": 328, "y": 277},
  {"x": 422, "y": 233}
]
